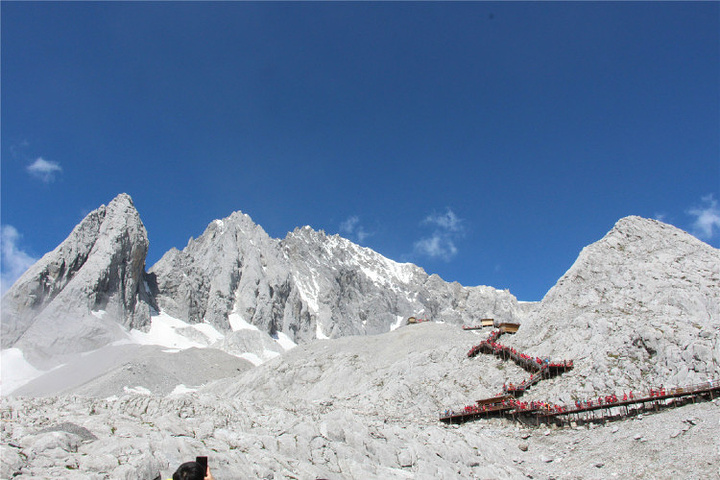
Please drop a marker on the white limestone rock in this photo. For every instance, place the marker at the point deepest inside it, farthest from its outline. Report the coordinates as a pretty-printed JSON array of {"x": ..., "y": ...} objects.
[
  {"x": 639, "y": 308},
  {"x": 77, "y": 297},
  {"x": 308, "y": 285}
]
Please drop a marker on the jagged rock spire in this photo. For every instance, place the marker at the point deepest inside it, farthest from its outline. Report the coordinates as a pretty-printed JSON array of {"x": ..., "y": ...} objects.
[{"x": 75, "y": 297}]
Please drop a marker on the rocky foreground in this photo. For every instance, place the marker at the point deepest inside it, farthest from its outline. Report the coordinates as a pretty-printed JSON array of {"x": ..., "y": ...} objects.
[{"x": 359, "y": 407}]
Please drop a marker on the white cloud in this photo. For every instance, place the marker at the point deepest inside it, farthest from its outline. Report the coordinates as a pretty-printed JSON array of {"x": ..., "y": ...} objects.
[
  {"x": 14, "y": 260},
  {"x": 352, "y": 228},
  {"x": 362, "y": 234},
  {"x": 707, "y": 218},
  {"x": 447, "y": 221},
  {"x": 44, "y": 170},
  {"x": 349, "y": 224},
  {"x": 437, "y": 246},
  {"x": 441, "y": 244}
]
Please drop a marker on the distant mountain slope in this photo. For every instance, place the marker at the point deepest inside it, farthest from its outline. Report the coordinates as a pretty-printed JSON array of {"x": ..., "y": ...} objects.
[
  {"x": 131, "y": 368},
  {"x": 640, "y": 307},
  {"x": 308, "y": 285},
  {"x": 353, "y": 290}
]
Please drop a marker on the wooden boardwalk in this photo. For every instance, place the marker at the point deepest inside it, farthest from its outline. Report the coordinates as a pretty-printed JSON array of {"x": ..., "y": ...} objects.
[
  {"x": 609, "y": 406},
  {"x": 539, "y": 368},
  {"x": 507, "y": 405}
]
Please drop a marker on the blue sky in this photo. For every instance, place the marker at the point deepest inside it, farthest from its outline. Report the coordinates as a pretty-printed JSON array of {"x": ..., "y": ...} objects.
[{"x": 488, "y": 143}]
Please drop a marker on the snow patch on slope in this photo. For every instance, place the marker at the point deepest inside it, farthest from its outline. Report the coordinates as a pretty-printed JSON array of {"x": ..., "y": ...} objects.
[
  {"x": 181, "y": 389},
  {"x": 309, "y": 293},
  {"x": 138, "y": 390},
  {"x": 16, "y": 371},
  {"x": 259, "y": 359},
  {"x": 239, "y": 323},
  {"x": 319, "y": 333},
  {"x": 285, "y": 342},
  {"x": 164, "y": 332}
]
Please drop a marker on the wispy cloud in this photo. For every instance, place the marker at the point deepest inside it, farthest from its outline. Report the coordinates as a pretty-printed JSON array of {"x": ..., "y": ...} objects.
[
  {"x": 447, "y": 221},
  {"x": 14, "y": 260},
  {"x": 44, "y": 170},
  {"x": 707, "y": 218},
  {"x": 351, "y": 227},
  {"x": 349, "y": 224},
  {"x": 16, "y": 149},
  {"x": 441, "y": 243},
  {"x": 438, "y": 245}
]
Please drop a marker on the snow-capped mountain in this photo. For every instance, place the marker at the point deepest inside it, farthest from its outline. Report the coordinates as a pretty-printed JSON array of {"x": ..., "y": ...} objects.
[
  {"x": 233, "y": 288},
  {"x": 307, "y": 285},
  {"x": 352, "y": 290}
]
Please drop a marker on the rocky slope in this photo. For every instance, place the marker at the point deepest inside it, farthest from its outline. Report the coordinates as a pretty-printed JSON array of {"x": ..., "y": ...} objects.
[
  {"x": 356, "y": 407},
  {"x": 77, "y": 297},
  {"x": 640, "y": 307},
  {"x": 352, "y": 290},
  {"x": 233, "y": 269}
]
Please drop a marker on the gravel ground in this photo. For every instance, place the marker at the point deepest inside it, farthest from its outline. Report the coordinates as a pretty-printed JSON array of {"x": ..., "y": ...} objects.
[{"x": 361, "y": 407}]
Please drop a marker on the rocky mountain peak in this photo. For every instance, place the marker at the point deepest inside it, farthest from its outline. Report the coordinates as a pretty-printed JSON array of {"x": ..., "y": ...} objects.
[
  {"x": 123, "y": 202},
  {"x": 639, "y": 306},
  {"x": 209, "y": 279},
  {"x": 233, "y": 228},
  {"x": 635, "y": 233},
  {"x": 306, "y": 233},
  {"x": 78, "y": 295}
]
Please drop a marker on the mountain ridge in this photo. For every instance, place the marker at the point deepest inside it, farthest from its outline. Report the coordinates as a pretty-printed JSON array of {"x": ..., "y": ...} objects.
[
  {"x": 93, "y": 288},
  {"x": 236, "y": 289}
]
